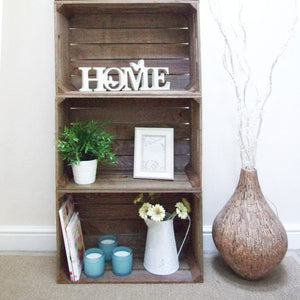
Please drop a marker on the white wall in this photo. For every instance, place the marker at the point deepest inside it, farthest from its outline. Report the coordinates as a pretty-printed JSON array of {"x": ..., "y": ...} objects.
[
  {"x": 27, "y": 114},
  {"x": 278, "y": 157},
  {"x": 1, "y": 9},
  {"x": 27, "y": 128}
]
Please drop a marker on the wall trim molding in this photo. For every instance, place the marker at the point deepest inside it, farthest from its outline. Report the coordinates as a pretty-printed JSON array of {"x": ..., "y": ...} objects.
[
  {"x": 27, "y": 238},
  {"x": 43, "y": 238}
]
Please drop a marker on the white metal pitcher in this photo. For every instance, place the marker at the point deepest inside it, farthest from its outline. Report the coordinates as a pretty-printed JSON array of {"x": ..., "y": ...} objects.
[{"x": 161, "y": 257}]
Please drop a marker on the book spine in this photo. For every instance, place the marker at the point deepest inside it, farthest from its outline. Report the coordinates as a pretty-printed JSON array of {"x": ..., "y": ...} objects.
[
  {"x": 73, "y": 250},
  {"x": 66, "y": 243}
]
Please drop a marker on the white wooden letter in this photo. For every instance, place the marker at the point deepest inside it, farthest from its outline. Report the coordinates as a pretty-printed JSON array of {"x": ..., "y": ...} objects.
[
  {"x": 159, "y": 78},
  {"x": 130, "y": 78},
  {"x": 86, "y": 79},
  {"x": 134, "y": 81},
  {"x": 111, "y": 84}
]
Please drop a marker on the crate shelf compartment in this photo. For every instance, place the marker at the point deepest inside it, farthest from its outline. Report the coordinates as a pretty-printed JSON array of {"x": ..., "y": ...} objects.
[
  {"x": 123, "y": 116},
  {"x": 113, "y": 35},
  {"x": 115, "y": 213}
]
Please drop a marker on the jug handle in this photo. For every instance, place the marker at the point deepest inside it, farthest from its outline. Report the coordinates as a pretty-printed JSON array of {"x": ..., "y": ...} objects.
[{"x": 187, "y": 231}]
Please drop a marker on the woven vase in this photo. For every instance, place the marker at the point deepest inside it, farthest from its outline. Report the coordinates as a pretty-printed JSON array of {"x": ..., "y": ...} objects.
[{"x": 247, "y": 233}]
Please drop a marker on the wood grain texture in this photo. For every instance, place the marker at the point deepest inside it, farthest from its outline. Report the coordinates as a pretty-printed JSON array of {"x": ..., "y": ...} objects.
[
  {"x": 140, "y": 275},
  {"x": 176, "y": 66},
  {"x": 124, "y": 182},
  {"x": 128, "y": 51},
  {"x": 115, "y": 19},
  {"x": 247, "y": 233},
  {"x": 115, "y": 33},
  {"x": 112, "y": 33},
  {"x": 128, "y": 36}
]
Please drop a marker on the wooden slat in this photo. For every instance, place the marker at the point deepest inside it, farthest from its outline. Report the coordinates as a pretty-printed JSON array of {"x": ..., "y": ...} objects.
[
  {"x": 139, "y": 275},
  {"x": 108, "y": 211},
  {"x": 125, "y": 198},
  {"x": 125, "y": 183},
  {"x": 196, "y": 138},
  {"x": 61, "y": 51},
  {"x": 125, "y": 162},
  {"x": 119, "y": 103},
  {"x": 176, "y": 66},
  {"x": 100, "y": 227},
  {"x": 130, "y": 51},
  {"x": 126, "y": 147},
  {"x": 120, "y": 213},
  {"x": 96, "y": 226},
  {"x": 177, "y": 82},
  {"x": 128, "y": 36},
  {"x": 194, "y": 53},
  {"x": 61, "y": 120},
  {"x": 133, "y": 20},
  {"x": 126, "y": 7},
  {"x": 131, "y": 115},
  {"x": 71, "y": 92},
  {"x": 196, "y": 233},
  {"x": 182, "y": 131}
]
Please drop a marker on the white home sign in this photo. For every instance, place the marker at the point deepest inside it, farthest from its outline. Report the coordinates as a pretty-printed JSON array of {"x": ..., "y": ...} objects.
[{"x": 128, "y": 81}]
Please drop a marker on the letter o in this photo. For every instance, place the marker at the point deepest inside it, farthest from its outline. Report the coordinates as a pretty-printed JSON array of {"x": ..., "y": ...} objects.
[{"x": 112, "y": 85}]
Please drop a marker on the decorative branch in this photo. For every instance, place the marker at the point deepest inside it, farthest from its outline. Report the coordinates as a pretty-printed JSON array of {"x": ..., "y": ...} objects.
[{"x": 249, "y": 109}]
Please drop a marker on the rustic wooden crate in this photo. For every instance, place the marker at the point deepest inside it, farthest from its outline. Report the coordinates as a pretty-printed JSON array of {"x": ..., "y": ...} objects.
[
  {"x": 115, "y": 213},
  {"x": 112, "y": 35},
  {"x": 182, "y": 114}
]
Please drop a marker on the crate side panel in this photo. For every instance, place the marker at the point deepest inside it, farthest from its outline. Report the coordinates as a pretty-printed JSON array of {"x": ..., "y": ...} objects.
[{"x": 62, "y": 52}]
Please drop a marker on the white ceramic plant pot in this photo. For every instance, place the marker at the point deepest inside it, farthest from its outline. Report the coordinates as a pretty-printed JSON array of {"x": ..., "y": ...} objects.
[{"x": 85, "y": 171}]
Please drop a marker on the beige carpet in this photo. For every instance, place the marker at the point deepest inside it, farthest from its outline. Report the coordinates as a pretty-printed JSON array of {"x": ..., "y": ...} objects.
[{"x": 33, "y": 276}]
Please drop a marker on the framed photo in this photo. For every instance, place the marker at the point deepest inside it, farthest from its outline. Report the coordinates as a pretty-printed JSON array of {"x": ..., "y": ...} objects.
[{"x": 154, "y": 153}]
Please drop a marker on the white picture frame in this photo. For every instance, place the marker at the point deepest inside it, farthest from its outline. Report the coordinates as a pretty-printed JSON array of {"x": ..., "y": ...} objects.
[{"x": 154, "y": 153}]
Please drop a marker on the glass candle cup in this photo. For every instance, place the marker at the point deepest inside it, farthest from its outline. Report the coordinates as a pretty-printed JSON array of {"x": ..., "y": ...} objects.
[
  {"x": 122, "y": 261},
  {"x": 108, "y": 243},
  {"x": 93, "y": 262}
]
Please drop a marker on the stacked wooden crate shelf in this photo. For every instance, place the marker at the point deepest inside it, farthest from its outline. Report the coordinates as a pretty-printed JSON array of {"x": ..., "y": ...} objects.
[{"x": 112, "y": 34}]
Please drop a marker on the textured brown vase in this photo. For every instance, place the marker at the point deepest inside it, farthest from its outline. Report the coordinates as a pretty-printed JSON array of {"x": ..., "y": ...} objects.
[{"x": 247, "y": 233}]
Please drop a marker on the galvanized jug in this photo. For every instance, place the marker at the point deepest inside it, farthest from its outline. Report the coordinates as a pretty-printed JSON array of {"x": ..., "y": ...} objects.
[{"x": 161, "y": 257}]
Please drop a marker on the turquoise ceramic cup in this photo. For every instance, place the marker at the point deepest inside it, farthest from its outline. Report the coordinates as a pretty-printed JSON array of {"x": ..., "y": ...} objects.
[
  {"x": 108, "y": 243},
  {"x": 122, "y": 261},
  {"x": 93, "y": 262}
]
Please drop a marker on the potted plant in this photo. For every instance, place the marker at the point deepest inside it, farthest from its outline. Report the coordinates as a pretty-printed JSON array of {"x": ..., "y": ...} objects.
[{"x": 83, "y": 145}]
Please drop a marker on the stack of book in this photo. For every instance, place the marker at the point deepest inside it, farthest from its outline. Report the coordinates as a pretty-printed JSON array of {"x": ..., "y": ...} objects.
[{"x": 73, "y": 239}]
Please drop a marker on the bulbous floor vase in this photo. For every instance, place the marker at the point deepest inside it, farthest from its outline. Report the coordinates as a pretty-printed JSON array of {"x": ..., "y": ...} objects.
[{"x": 247, "y": 233}]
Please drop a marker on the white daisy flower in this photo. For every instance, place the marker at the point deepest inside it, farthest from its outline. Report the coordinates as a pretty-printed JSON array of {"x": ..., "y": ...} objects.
[
  {"x": 144, "y": 210},
  {"x": 156, "y": 213},
  {"x": 181, "y": 210}
]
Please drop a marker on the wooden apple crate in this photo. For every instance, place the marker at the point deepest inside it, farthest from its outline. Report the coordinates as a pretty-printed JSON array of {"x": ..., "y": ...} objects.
[{"x": 112, "y": 34}]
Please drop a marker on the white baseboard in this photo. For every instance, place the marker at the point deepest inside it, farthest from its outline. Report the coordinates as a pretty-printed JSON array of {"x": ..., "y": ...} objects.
[
  {"x": 43, "y": 238},
  {"x": 27, "y": 238}
]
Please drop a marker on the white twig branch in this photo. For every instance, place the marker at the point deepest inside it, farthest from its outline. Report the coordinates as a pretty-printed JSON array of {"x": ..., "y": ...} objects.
[{"x": 250, "y": 110}]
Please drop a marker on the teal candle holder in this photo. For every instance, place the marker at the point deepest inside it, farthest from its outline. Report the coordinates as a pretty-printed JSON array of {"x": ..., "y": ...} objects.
[
  {"x": 108, "y": 243},
  {"x": 93, "y": 262},
  {"x": 122, "y": 261}
]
